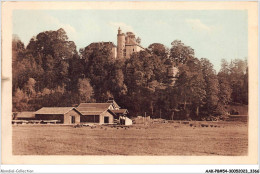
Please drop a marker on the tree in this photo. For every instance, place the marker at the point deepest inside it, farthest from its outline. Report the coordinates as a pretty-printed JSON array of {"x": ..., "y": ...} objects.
[
  {"x": 180, "y": 53},
  {"x": 158, "y": 50},
  {"x": 117, "y": 85},
  {"x": 224, "y": 83},
  {"x": 19, "y": 100},
  {"x": 212, "y": 86},
  {"x": 224, "y": 90},
  {"x": 18, "y": 50},
  {"x": 30, "y": 88},
  {"x": 237, "y": 72},
  {"x": 52, "y": 51},
  {"x": 75, "y": 72},
  {"x": 46, "y": 91},
  {"x": 190, "y": 86},
  {"x": 85, "y": 90},
  {"x": 224, "y": 67},
  {"x": 233, "y": 81},
  {"x": 245, "y": 88},
  {"x": 98, "y": 67},
  {"x": 54, "y": 43},
  {"x": 44, "y": 65}
]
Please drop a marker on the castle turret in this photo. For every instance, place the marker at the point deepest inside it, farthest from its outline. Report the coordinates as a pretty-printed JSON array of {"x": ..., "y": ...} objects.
[
  {"x": 120, "y": 44},
  {"x": 119, "y": 31}
]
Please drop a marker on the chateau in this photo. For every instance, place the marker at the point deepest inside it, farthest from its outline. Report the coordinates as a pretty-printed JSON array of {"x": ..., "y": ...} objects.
[{"x": 126, "y": 45}]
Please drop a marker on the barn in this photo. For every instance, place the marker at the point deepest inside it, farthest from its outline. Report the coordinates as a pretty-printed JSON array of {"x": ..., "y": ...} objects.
[
  {"x": 99, "y": 113},
  {"x": 62, "y": 115}
]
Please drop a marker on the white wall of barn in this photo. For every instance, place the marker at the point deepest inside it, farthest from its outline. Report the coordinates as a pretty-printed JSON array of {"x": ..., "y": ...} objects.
[
  {"x": 67, "y": 117},
  {"x": 106, "y": 114}
]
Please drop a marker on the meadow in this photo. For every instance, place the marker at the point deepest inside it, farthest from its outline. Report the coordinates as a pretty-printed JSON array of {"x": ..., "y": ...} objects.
[{"x": 177, "y": 138}]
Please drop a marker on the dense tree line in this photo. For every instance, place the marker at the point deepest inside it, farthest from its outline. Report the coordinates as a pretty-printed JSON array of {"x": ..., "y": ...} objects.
[{"x": 159, "y": 81}]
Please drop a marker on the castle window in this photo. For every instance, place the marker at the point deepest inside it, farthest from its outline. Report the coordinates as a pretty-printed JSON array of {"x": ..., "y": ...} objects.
[{"x": 124, "y": 52}]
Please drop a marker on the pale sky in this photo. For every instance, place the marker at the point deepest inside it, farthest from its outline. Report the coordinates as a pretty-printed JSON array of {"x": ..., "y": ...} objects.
[{"x": 213, "y": 34}]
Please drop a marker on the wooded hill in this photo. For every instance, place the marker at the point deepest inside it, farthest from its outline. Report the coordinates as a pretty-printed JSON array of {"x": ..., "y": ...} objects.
[{"x": 49, "y": 71}]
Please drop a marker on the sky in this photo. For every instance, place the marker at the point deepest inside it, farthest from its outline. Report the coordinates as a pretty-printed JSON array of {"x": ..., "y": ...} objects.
[{"x": 213, "y": 34}]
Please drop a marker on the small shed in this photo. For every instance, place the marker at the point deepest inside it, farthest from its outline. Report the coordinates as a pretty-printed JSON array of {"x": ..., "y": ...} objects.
[
  {"x": 121, "y": 116},
  {"x": 63, "y": 115},
  {"x": 123, "y": 120},
  {"x": 128, "y": 121}
]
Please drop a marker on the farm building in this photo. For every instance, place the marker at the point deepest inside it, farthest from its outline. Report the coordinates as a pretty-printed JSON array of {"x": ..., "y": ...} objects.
[
  {"x": 103, "y": 113},
  {"x": 121, "y": 116},
  {"x": 96, "y": 113},
  {"x": 64, "y": 115},
  {"x": 114, "y": 105},
  {"x": 24, "y": 116},
  {"x": 123, "y": 120},
  {"x": 120, "y": 112}
]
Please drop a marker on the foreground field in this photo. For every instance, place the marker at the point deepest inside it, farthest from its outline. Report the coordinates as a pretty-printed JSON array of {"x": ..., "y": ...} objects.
[{"x": 219, "y": 138}]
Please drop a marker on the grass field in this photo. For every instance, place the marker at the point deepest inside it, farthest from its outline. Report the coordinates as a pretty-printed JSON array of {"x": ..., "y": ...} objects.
[{"x": 223, "y": 138}]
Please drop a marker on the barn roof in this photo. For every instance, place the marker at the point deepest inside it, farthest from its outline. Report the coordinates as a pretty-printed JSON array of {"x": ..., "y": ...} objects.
[
  {"x": 94, "y": 105},
  {"x": 94, "y": 108},
  {"x": 120, "y": 111},
  {"x": 90, "y": 109},
  {"x": 91, "y": 112},
  {"x": 25, "y": 115},
  {"x": 113, "y": 102},
  {"x": 54, "y": 110}
]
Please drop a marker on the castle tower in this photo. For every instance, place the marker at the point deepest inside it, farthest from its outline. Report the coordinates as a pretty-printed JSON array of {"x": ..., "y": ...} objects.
[{"x": 120, "y": 44}]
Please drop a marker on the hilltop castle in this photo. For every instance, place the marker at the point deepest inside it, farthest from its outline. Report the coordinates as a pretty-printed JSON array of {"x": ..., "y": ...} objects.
[{"x": 127, "y": 44}]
